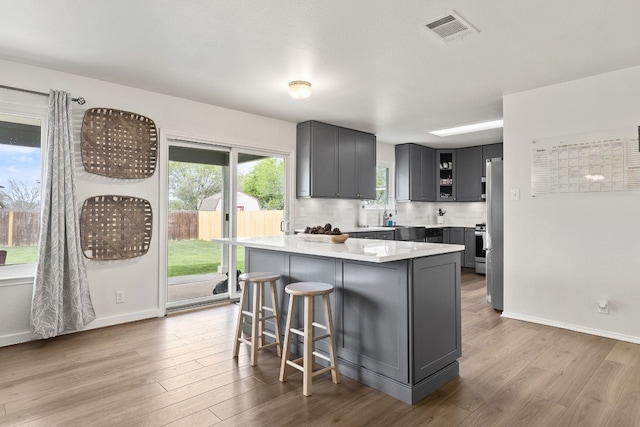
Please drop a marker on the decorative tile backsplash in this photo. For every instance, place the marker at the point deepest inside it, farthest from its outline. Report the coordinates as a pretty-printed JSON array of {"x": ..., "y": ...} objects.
[{"x": 346, "y": 213}]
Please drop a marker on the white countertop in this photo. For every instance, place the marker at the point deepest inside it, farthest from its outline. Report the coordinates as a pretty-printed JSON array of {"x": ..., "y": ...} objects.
[
  {"x": 356, "y": 229},
  {"x": 368, "y": 250}
]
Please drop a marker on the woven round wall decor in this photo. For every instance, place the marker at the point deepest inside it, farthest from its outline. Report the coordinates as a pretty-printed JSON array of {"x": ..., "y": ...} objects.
[
  {"x": 118, "y": 144},
  {"x": 115, "y": 227}
]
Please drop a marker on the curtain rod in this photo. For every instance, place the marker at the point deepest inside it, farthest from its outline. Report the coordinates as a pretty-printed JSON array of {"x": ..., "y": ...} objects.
[{"x": 79, "y": 100}]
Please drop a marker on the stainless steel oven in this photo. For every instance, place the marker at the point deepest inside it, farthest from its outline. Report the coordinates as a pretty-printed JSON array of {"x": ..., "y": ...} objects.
[{"x": 481, "y": 254}]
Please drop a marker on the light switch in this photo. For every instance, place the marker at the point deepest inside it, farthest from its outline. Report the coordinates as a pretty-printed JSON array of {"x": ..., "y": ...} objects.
[{"x": 515, "y": 194}]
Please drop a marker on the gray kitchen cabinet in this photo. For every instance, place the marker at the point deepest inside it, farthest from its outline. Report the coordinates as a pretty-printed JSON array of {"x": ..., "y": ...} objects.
[
  {"x": 445, "y": 175},
  {"x": 490, "y": 151},
  {"x": 415, "y": 180},
  {"x": 334, "y": 162},
  {"x": 372, "y": 320},
  {"x": 436, "y": 313},
  {"x": 381, "y": 235},
  {"x": 356, "y": 164},
  {"x": 468, "y": 174},
  {"x": 455, "y": 236},
  {"x": 469, "y": 259},
  {"x": 316, "y": 160}
]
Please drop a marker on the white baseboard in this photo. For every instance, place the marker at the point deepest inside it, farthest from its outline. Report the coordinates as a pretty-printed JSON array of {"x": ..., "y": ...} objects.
[
  {"x": 571, "y": 327},
  {"x": 22, "y": 337},
  {"x": 12, "y": 339}
]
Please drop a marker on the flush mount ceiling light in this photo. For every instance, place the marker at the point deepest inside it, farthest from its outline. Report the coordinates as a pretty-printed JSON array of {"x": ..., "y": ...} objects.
[
  {"x": 494, "y": 124},
  {"x": 299, "y": 89}
]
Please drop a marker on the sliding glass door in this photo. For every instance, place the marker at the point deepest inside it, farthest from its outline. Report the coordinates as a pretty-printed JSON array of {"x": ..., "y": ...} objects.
[
  {"x": 215, "y": 192},
  {"x": 198, "y": 204},
  {"x": 261, "y": 202}
]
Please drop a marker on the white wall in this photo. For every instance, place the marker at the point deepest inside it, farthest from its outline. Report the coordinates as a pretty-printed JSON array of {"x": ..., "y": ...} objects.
[
  {"x": 138, "y": 277},
  {"x": 563, "y": 253}
]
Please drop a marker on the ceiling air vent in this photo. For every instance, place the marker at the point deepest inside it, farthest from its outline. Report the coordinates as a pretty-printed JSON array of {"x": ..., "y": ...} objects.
[{"x": 450, "y": 27}]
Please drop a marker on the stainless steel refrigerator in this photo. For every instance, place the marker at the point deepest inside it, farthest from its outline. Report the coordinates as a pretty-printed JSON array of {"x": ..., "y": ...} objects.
[{"x": 495, "y": 237}]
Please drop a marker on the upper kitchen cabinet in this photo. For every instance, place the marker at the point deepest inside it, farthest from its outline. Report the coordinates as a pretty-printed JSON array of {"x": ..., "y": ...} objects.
[
  {"x": 468, "y": 174},
  {"x": 335, "y": 162},
  {"x": 356, "y": 164},
  {"x": 490, "y": 151},
  {"x": 414, "y": 173},
  {"x": 445, "y": 178}
]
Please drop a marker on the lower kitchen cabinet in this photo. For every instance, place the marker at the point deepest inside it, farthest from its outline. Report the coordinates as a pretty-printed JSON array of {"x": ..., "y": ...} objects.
[
  {"x": 466, "y": 237},
  {"x": 381, "y": 235},
  {"x": 469, "y": 259},
  {"x": 372, "y": 320},
  {"x": 455, "y": 236}
]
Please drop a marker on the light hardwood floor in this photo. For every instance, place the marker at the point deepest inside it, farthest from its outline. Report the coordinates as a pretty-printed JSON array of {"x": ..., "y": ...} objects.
[{"x": 178, "y": 371}]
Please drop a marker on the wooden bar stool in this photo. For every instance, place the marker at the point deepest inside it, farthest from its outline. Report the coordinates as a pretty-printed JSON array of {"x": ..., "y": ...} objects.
[
  {"x": 309, "y": 290},
  {"x": 256, "y": 340}
]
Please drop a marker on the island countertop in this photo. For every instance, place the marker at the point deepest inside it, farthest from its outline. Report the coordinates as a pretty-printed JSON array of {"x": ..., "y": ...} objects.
[{"x": 368, "y": 250}]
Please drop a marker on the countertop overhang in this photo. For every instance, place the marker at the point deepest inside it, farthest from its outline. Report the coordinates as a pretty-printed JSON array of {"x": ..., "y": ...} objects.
[{"x": 367, "y": 250}]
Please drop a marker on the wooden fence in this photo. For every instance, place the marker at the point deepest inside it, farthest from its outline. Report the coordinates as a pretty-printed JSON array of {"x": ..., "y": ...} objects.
[
  {"x": 19, "y": 228},
  {"x": 206, "y": 225},
  {"x": 22, "y": 228}
]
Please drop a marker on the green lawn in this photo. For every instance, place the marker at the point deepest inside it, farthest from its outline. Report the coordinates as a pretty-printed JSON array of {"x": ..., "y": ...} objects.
[
  {"x": 196, "y": 257},
  {"x": 185, "y": 256},
  {"x": 20, "y": 254}
]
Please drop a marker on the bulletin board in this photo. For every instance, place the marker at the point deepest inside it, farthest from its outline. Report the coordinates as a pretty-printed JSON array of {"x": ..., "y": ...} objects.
[{"x": 597, "y": 162}]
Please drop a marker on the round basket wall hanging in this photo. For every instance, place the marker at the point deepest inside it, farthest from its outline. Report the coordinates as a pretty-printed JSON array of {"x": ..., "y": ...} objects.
[
  {"x": 118, "y": 144},
  {"x": 115, "y": 227}
]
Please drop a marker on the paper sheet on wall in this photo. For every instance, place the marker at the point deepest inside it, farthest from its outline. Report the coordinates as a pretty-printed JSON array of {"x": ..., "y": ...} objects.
[{"x": 589, "y": 163}]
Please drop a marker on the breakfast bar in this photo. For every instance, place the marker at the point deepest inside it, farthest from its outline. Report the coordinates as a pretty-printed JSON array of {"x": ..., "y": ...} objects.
[{"x": 396, "y": 305}]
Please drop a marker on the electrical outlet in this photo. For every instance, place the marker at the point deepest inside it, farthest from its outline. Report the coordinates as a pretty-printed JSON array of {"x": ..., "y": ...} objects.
[
  {"x": 119, "y": 297},
  {"x": 603, "y": 306}
]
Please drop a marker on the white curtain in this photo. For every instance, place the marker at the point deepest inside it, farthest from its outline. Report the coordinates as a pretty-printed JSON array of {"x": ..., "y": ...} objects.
[{"x": 61, "y": 301}]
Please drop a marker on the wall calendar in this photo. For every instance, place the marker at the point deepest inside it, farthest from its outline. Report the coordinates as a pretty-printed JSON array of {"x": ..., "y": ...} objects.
[{"x": 597, "y": 162}]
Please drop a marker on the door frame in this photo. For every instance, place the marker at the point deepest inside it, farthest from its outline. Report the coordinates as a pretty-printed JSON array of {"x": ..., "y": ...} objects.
[{"x": 163, "y": 215}]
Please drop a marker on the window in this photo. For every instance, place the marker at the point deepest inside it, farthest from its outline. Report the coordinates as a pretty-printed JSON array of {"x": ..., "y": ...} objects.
[
  {"x": 20, "y": 182},
  {"x": 382, "y": 185}
]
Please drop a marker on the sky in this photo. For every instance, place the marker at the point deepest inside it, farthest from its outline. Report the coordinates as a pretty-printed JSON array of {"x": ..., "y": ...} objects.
[{"x": 19, "y": 163}]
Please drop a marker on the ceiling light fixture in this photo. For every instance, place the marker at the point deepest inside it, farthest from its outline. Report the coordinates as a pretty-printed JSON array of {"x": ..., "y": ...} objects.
[
  {"x": 299, "y": 89},
  {"x": 494, "y": 124}
]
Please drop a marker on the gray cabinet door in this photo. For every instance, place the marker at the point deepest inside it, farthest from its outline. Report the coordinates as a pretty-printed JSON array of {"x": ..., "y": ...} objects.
[
  {"x": 468, "y": 174},
  {"x": 373, "y": 319},
  {"x": 403, "y": 172},
  {"x": 366, "y": 165},
  {"x": 347, "y": 160},
  {"x": 427, "y": 177},
  {"x": 380, "y": 235},
  {"x": 437, "y": 334},
  {"x": 469, "y": 248},
  {"x": 456, "y": 237},
  {"x": 316, "y": 160},
  {"x": 490, "y": 151},
  {"x": 414, "y": 173}
]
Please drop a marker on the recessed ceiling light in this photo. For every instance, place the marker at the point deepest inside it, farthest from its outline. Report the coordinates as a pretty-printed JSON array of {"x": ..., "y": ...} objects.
[
  {"x": 494, "y": 124},
  {"x": 299, "y": 89}
]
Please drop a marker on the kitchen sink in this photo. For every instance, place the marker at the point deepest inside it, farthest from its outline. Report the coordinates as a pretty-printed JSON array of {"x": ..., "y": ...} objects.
[{"x": 410, "y": 233}]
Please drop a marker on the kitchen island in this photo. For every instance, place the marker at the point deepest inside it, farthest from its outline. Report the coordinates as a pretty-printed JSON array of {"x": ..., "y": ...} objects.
[{"x": 396, "y": 305}]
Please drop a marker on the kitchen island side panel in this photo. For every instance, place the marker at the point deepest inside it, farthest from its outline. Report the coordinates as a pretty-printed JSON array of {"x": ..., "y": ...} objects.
[
  {"x": 372, "y": 317},
  {"x": 437, "y": 335}
]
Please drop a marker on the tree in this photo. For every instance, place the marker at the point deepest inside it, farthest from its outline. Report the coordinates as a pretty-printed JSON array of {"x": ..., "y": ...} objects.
[
  {"x": 20, "y": 196},
  {"x": 190, "y": 184},
  {"x": 266, "y": 183}
]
